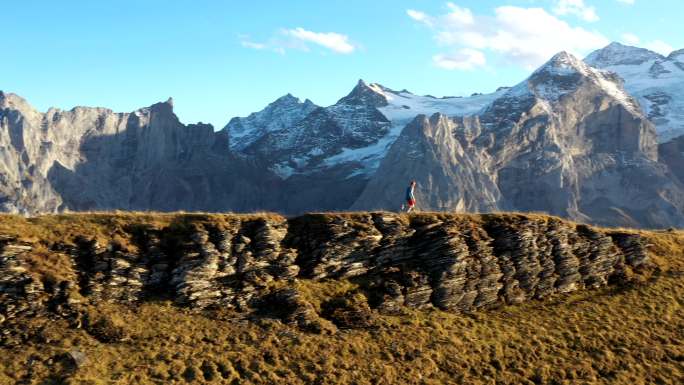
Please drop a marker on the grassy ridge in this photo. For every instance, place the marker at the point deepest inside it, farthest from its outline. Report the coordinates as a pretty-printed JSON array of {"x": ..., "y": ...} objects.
[{"x": 631, "y": 334}]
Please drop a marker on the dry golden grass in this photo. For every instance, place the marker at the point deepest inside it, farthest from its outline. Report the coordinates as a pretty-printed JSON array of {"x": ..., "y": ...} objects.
[
  {"x": 616, "y": 335},
  {"x": 608, "y": 336},
  {"x": 105, "y": 225}
]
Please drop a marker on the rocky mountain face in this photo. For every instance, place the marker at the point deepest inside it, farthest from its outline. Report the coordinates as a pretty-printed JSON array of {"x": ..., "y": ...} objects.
[
  {"x": 569, "y": 140},
  {"x": 298, "y": 148},
  {"x": 95, "y": 159},
  {"x": 282, "y": 114},
  {"x": 655, "y": 80},
  {"x": 351, "y": 136},
  {"x": 451, "y": 262},
  {"x": 671, "y": 153}
]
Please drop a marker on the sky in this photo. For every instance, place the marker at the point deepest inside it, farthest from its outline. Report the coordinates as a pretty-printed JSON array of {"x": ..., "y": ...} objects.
[{"x": 220, "y": 59}]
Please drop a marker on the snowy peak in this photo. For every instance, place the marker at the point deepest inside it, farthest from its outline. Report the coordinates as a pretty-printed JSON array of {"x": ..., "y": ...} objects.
[
  {"x": 285, "y": 100},
  {"x": 563, "y": 69},
  {"x": 620, "y": 54},
  {"x": 654, "y": 80},
  {"x": 564, "y": 63},
  {"x": 287, "y": 103},
  {"x": 563, "y": 74},
  {"x": 283, "y": 113},
  {"x": 384, "y": 91},
  {"x": 363, "y": 94}
]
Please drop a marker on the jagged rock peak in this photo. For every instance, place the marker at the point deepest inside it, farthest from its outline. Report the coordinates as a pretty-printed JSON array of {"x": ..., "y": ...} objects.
[
  {"x": 281, "y": 114},
  {"x": 10, "y": 99},
  {"x": 287, "y": 99},
  {"x": 290, "y": 101},
  {"x": 163, "y": 107},
  {"x": 564, "y": 73},
  {"x": 13, "y": 101},
  {"x": 364, "y": 94},
  {"x": 564, "y": 63},
  {"x": 620, "y": 54},
  {"x": 438, "y": 118},
  {"x": 430, "y": 125}
]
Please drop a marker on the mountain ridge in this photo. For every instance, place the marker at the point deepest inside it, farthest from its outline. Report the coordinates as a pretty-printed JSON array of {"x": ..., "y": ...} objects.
[
  {"x": 548, "y": 136},
  {"x": 656, "y": 81}
]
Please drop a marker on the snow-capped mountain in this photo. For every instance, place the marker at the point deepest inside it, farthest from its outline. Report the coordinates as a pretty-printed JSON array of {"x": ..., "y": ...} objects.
[
  {"x": 357, "y": 131},
  {"x": 304, "y": 139},
  {"x": 569, "y": 140},
  {"x": 564, "y": 74},
  {"x": 281, "y": 114},
  {"x": 656, "y": 81},
  {"x": 400, "y": 108}
]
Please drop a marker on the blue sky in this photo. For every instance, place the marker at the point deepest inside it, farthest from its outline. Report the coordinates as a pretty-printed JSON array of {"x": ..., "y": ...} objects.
[{"x": 220, "y": 59}]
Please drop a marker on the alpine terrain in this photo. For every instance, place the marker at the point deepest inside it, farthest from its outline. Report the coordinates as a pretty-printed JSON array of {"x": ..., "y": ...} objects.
[
  {"x": 341, "y": 298},
  {"x": 594, "y": 141}
]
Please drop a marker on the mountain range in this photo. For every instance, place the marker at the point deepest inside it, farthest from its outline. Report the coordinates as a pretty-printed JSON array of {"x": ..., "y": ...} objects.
[{"x": 597, "y": 140}]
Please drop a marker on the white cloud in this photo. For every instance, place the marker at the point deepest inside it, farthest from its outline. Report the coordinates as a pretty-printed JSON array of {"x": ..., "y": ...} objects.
[
  {"x": 299, "y": 39},
  {"x": 630, "y": 39},
  {"x": 459, "y": 15},
  {"x": 331, "y": 40},
  {"x": 462, "y": 59},
  {"x": 577, "y": 8},
  {"x": 247, "y": 42},
  {"x": 524, "y": 36},
  {"x": 418, "y": 16},
  {"x": 629, "y": 2},
  {"x": 253, "y": 45},
  {"x": 659, "y": 46}
]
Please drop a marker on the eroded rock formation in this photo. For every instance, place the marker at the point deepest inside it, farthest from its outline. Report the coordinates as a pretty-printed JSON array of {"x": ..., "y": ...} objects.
[{"x": 452, "y": 262}]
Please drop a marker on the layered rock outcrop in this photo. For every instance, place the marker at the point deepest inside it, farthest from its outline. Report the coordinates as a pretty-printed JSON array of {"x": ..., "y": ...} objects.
[{"x": 451, "y": 262}]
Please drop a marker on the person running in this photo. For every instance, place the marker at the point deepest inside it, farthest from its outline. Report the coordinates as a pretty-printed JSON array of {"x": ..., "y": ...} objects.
[{"x": 410, "y": 197}]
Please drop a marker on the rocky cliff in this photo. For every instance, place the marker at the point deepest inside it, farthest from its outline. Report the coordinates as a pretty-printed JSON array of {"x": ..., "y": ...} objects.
[
  {"x": 56, "y": 266},
  {"x": 568, "y": 141},
  {"x": 93, "y": 158}
]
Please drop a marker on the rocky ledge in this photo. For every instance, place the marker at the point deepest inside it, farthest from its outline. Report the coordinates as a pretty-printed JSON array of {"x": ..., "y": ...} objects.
[{"x": 256, "y": 263}]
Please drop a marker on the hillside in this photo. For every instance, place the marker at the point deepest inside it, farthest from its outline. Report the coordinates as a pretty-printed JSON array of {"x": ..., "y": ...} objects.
[{"x": 337, "y": 298}]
